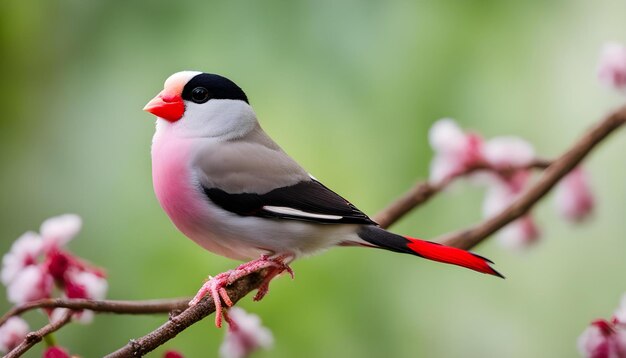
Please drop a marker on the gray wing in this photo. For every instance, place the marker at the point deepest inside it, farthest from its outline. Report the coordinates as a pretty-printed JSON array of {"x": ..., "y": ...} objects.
[
  {"x": 253, "y": 164},
  {"x": 253, "y": 176},
  {"x": 306, "y": 201}
]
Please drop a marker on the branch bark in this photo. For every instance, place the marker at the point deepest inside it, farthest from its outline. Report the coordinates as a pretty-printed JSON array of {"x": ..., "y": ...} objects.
[
  {"x": 177, "y": 324},
  {"x": 421, "y": 192},
  {"x": 35, "y": 337},
  {"x": 104, "y": 306}
]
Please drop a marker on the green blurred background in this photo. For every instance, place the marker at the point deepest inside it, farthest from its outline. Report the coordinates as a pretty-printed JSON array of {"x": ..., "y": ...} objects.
[{"x": 349, "y": 88}]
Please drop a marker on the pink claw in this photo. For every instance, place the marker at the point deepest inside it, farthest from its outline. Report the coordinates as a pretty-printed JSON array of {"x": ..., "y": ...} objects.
[{"x": 216, "y": 286}]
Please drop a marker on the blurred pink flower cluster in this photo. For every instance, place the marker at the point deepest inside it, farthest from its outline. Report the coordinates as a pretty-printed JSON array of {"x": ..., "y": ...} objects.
[
  {"x": 55, "y": 352},
  {"x": 503, "y": 166},
  {"x": 12, "y": 333},
  {"x": 605, "y": 339},
  {"x": 245, "y": 334},
  {"x": 612, "y": 66},
  {"x": 36, "y": 264},
  {"x": 173, "y": 354}
]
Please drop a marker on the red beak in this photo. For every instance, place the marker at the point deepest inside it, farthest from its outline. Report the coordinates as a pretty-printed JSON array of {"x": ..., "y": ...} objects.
[{"x": 170, "y": 107}]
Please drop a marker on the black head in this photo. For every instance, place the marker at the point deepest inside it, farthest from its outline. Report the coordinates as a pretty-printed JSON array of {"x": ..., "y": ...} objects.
[{"x": 207, "y": 86}]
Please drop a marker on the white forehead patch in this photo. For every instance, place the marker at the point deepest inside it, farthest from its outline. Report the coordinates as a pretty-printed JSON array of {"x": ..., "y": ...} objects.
[{"x": 176, "y": 82}]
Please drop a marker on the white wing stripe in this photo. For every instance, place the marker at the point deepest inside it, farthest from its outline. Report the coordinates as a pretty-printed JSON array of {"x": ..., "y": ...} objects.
[{"x": 290, "y": 211}]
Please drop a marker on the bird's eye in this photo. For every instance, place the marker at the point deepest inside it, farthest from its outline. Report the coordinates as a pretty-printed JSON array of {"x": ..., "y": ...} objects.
[{"x": 199, "y": 95}]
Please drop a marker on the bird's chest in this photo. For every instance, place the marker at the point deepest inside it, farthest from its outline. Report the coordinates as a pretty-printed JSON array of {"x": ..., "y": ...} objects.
[
  {"x": 174, "y": 183},
  {"x": 180, "y": 194}
]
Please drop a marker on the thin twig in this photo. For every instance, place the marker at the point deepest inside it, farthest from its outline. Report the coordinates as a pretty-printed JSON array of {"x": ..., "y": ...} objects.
[
  {"x": 103, "y": 306},
  {"x": 35, "y": 337},
  {"x": 421, "y": 192}
]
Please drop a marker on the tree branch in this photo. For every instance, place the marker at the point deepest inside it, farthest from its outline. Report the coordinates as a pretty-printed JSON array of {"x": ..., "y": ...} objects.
[
  {"x": 104, "y": 306},
  {"x": 177, "y": 324},
  {"x": 421, "y": 192},
  {"x": 35, "y": 337}
]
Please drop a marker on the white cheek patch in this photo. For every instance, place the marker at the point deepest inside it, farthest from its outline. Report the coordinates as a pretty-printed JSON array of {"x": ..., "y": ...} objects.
[
  {"x": 295, "y": 212},
  {"x": 218, "y": 118}
]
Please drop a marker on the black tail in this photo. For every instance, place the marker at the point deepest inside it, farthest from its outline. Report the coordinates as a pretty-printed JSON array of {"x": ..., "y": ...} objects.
[{"x": 429, "y": 250}]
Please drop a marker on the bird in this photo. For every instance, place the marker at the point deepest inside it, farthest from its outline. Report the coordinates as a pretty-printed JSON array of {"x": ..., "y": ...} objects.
[{"x": 225, "y": 184}]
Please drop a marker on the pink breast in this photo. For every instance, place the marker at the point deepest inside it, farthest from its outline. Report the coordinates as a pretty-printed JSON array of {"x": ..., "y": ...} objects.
[{"x": 173, "y": 182}]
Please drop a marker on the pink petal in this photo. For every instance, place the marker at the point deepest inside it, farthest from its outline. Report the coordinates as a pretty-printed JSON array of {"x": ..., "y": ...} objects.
[
  {"x": 573, "y": 196},
  {"x": 502, "y": 192},
  {"x": 519, "y": 234},
  {"x": 93, "y": 286},
  {"x": 455, "y": 150},
  {"x": 620, "y": 312},
  {"x": 444, "y": 167},
  {"x": 445, "y": 136},
  {"x": 32, "y": 283},
  {"x": 58, "y": 231},
  {"x": 24, "y": 252},
  {"x": 56, "y": 352},
  {"x": 497, "y": 198},
  {"x": 12, "y": 333},
  {"x": 612, "y": 66},
  {"x": 503, "y": 152},
  {"x": 245, "y": 335},
  {"x": 602, "y": 339}
]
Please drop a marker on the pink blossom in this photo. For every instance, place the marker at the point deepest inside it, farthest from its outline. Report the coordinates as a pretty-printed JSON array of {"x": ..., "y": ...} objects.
[
  {"x": 500, "y": 194},
  {"x": 32, "y": 283},
  {"x": 36, "y": 263},
  {"x": 573, "y": 196},
  {"x": 620, "y": 313},
  {"x": 82, "y": 316},
  {"x": 508, "y": 152},
  {"x": 612, "y": 66},
  {"x": 59, "y": 230},
  {"x": 55, "y": 352},
  {"x": 24, "y": 278},
  {"x": 12, "y": 333},
  {"x": 23, "y": 252},
  {"x": 87, "y": 285},
  {"x": 84, "y": 284},
  {"x": 445, "y": 136},
  {"x": 504, "y": 153},
  {"x": 456, "y": 151},
  {"x": 603, "y": 339},
  {"x": 173, "y": 354},
  {"x": 519, "y": 234},
  {"x": 245, "y": 334}
]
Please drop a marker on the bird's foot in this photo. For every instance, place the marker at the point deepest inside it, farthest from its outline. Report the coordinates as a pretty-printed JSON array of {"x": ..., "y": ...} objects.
[
  {"x": 273, "y": 271},
  {"x": 216, "y": 286}
]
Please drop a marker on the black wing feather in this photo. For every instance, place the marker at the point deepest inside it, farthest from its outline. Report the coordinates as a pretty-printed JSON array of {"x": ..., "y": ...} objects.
[{"x": 308, "y": 196}]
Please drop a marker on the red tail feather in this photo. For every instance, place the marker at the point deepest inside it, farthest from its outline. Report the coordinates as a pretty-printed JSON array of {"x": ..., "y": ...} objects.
[{"x": 451, "y": 255}]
